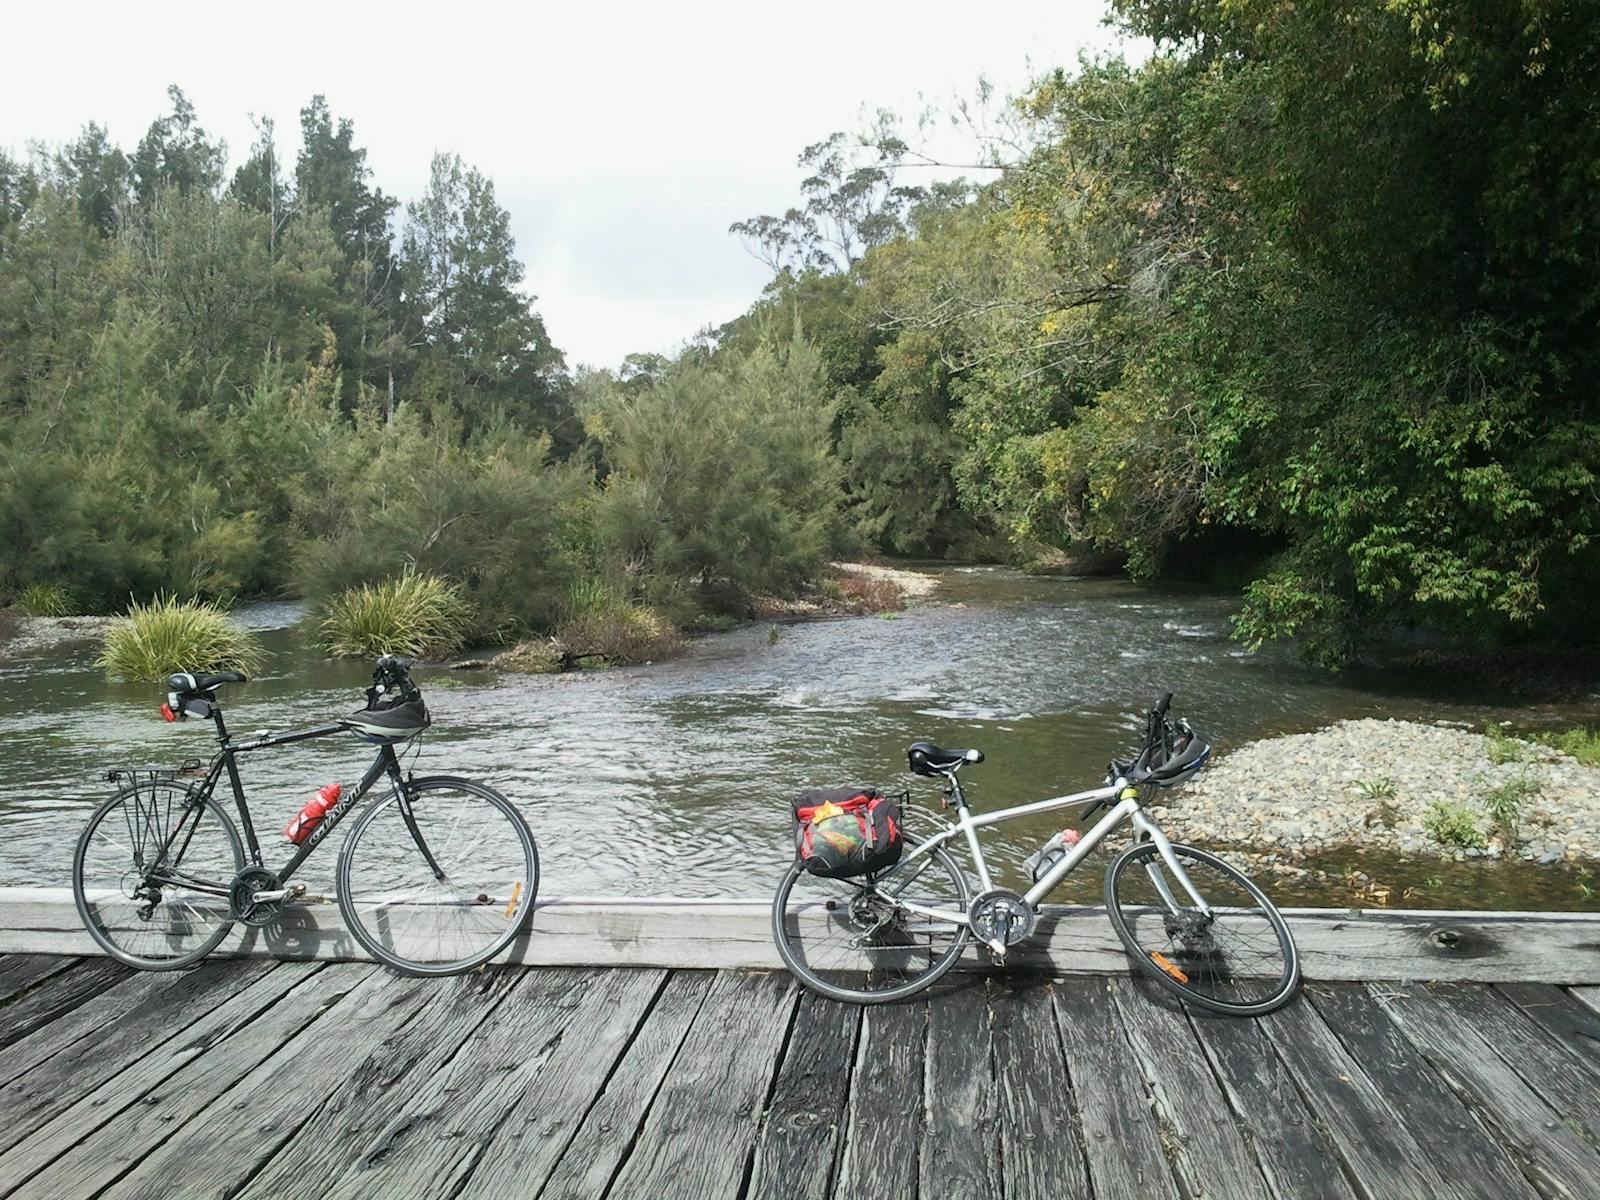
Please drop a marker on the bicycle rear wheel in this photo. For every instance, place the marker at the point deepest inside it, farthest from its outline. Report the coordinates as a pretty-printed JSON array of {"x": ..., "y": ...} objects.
[
  {"x": 151, "y": 908},
  {"x": 1240, "y": 960},
  {"x": 848, "y": 938},
  {"x": 440, "y": 879}
]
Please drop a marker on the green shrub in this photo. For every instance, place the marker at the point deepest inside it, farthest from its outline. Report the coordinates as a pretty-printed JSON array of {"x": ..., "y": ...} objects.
[
  {"x": 45, "y": 600},
  {"x": 169, "y": 635},
  {"x": 1581, "y": 744},
  {"x": 621, "y": 633},
  {"x": 1455, "y": 825},
  {"x": 1503, "y": 748},
  {"x": 1380, "y": 788},
  {"x": 1503, "y": 802},
  {"x": 419, "y": 615}
]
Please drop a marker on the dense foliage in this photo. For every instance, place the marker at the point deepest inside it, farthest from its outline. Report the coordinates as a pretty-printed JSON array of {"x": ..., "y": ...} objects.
[
  {"x": 1318, "y": 285},
  {"x": 274, "y": 382},
  {"x": 1310, "y": 298}
]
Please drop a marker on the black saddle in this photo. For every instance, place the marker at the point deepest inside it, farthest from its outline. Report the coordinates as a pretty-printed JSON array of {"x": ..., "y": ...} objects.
[
  {"x": 195, "y": 683},
  {"x": 927, "y": 759}
]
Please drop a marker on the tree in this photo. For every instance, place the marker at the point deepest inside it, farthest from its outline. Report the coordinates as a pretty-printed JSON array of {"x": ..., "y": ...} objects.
[
  {"x": 98, "y": 174},
  {"x": 177, "y": 153},
  {"x": 463, "y": 300},
  {"x": 331, "y": 174},
  {"x": 259, "y": 182},
  {"x": 850, "y": 205}
]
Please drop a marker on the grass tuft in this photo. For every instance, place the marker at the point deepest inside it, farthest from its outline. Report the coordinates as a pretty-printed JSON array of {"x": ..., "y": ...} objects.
[
  {"x": 622, "y": 633},
  {"x": 1503, "y": 802},
  {"x": 1581, "y": 744},
  {"x": 169, "y": 635},
  {"x": 1502, "y": 747},
  {"x": 1455, "y": 825},
  {"x": 422, "y": 616},
  {"x": 46, "y": 600}
]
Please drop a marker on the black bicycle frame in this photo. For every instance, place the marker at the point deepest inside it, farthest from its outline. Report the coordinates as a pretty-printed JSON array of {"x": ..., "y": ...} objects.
[{"x": 385, "y": 763}]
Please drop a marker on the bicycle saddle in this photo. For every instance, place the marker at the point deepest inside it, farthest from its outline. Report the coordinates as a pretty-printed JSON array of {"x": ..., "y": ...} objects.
[
  {"x": 927, "y": 759},
  {"x": 192, "y": 683}
]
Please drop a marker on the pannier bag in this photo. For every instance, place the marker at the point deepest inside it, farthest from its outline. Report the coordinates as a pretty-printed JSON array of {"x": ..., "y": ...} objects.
[{"x": 840, "y": 832}]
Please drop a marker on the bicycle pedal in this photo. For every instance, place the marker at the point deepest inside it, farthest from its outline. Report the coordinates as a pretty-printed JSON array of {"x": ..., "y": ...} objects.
[{"x": 997, "y": 948}]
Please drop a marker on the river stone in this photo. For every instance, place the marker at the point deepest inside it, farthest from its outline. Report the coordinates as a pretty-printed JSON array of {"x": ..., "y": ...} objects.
[{"x": 1296, "y": 794}]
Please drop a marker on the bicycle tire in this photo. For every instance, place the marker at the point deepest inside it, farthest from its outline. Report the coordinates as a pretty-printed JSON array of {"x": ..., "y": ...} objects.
[
  {"x": 511, "y": 869},
  {"x": 96, "y": 918},
  {"x": 1176, "y": 957},
  {"x": 794, "y": 958}
]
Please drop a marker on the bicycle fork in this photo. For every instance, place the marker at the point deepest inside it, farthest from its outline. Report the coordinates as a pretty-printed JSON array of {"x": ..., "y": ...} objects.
[{"x": 1151, "y": 832}]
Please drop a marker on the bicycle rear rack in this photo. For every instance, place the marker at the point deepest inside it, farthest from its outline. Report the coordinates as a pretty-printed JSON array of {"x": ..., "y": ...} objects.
[{"x": 142, "y": 775}]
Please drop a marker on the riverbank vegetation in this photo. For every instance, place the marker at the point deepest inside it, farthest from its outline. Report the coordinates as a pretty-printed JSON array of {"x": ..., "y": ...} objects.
[
  {"x": 167, "y": 635},
  {"x": 1306, "y": 300}
]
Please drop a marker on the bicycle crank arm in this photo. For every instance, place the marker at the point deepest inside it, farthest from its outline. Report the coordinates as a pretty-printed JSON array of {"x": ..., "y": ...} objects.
[{"x": 293, "y": 892}]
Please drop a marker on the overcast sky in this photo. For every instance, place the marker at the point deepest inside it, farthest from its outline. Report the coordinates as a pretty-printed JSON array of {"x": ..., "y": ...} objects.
[{"x": 622, "y": 138}]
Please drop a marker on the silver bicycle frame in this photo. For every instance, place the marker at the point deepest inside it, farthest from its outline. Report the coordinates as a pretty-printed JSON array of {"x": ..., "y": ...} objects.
[{"x": 1127, "y": 808}]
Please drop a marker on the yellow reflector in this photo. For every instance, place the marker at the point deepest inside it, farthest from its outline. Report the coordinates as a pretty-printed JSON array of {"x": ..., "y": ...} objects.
[
  {"x": 516, "y": 897},
  {"x": 1169, "y": 967}
]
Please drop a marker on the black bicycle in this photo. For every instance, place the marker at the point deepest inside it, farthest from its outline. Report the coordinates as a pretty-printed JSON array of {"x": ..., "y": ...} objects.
[{"x": 437, "y": 876}]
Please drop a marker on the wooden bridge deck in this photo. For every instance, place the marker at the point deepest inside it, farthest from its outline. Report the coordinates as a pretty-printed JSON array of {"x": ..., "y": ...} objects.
[{"x": 259, "y": 1079}]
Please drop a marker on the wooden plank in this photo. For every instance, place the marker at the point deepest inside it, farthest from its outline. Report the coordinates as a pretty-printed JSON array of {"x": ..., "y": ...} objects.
[
  {"x": 803, "y": 1131},
  {"x": 34, "y": 1098},
  {"x": 56, "y": 994},
  {"x": 19, "y": 972},
  {"x": 1561, "y": 948},
  {"x": 220, "y": 1146},
  {"x": 1589, "y": 997},
  {"x": 1458, "y": 1146},
  {"x": 1550, "y": 1152},
  {"x": 562, "y": 1084},
  {"x": 1575, "y": 1026},
  {"x": 960, "y": 1158},
  {"x": 1202, "y": 1137},
  {"x": 1550, "y": 1069},
  {"x": 885, "y": 1093},
  {"x": 85, "y": 1020},
  {"x": 701, "y": 1130},
  {"x": 1379, "y": 1153},
  {"x": 1039, "y": 1142},
  {"x": 91, "y": 1144},
  {"x": 1121, "y": 1137},
  {"x": 358, "y": 1109},
  {"x": 549, "y": 1024},
  {"x": 611, "y": 1124},
  {"x": 1293, "y": 1153}
]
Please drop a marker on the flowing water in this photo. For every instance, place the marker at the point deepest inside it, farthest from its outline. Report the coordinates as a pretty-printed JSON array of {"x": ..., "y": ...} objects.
[{"x": 674, "y": 779}]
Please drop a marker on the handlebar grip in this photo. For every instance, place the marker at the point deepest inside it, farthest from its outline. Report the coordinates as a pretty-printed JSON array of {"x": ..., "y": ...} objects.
[{"x": 1166, "y": 703}]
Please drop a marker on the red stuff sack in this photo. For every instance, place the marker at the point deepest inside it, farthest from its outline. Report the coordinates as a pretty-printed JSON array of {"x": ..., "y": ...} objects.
[{"x": 843, "y": 832}]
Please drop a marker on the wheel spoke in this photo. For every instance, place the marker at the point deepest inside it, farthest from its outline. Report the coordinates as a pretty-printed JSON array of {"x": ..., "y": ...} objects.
[
  {"x": 402, "y": 913},
  {"x": 156, "y": 919},
  {"x": 1237, "y": 957},
  {"x": 852, "y": 939}
]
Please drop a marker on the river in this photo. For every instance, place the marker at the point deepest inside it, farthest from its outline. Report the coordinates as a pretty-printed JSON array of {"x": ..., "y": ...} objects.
[{"x": 675, "y": 778}]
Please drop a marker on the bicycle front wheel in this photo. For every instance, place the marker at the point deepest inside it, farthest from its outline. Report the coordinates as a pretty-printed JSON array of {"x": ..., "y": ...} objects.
[
  {"x": 151, "y": 874},
  {"x": 438, "y": 878},
  {"x": 1239, "y": 959},
  {"x": 853, "y": 939}
]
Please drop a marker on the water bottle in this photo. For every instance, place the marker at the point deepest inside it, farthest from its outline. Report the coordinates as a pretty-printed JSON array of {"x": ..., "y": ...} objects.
[
  {"x": 1052, "y": 852},
  {"x": 310, "y": 816}
]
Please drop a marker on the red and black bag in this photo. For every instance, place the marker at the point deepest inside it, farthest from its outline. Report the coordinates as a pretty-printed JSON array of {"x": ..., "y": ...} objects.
[{"x": 840, "y": 832}]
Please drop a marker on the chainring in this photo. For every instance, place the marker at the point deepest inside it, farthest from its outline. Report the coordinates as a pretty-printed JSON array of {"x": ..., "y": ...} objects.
[
  {"x": 242, "y": 892},
  {"x": 1001, "y": 915}
]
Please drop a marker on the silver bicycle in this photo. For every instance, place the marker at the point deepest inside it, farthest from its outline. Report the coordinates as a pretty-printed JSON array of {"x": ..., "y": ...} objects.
[{"x": 1192, "y": 922}]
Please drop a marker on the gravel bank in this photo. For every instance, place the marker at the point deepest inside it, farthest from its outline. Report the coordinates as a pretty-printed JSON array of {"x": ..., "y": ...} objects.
[
  {"x": 1390, "y": 786},
  {"x": 32, "y": 634}
]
